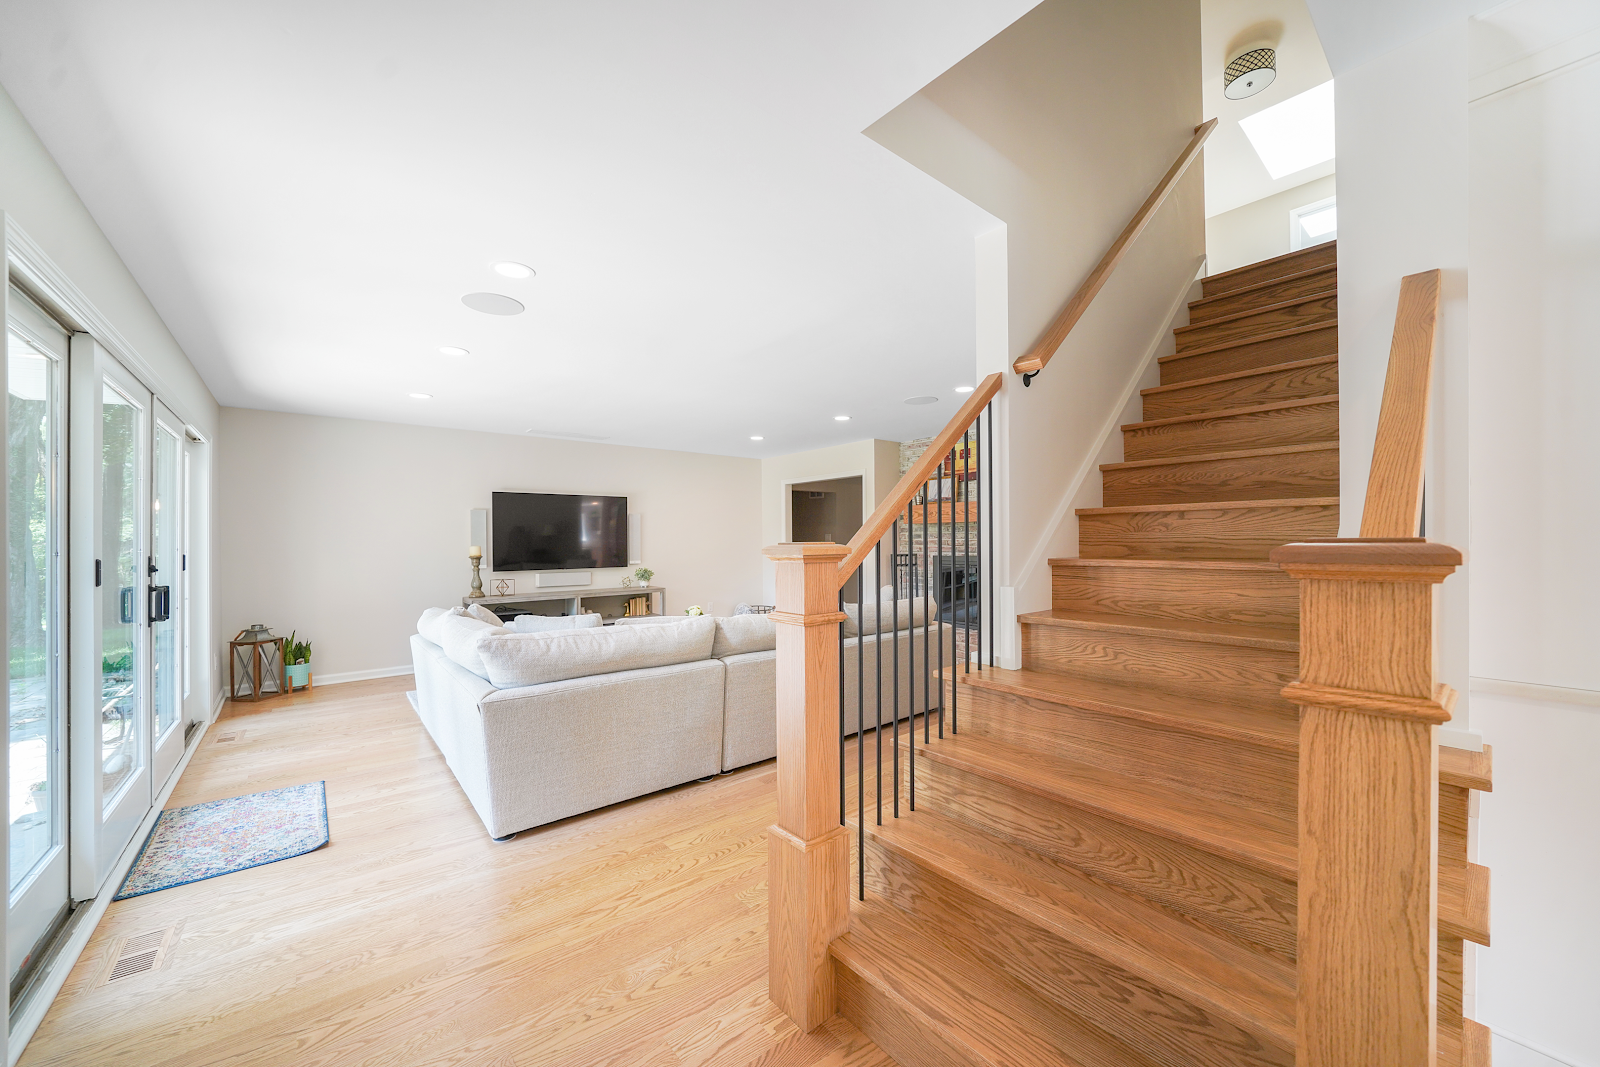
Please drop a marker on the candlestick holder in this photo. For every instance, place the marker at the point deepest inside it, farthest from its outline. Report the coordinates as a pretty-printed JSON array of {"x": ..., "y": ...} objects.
[{"x": 477, "y": 579}]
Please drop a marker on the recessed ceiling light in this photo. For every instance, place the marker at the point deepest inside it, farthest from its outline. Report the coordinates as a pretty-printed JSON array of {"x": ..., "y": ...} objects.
[
  {"x": 1293, "y": 135},
  {"x": 757, "y": 437},
  {"x": 963, "y": 388},
  {"x": 841, "y": 418},
  {"x": 916, "y": 401},
  {"x": 514, "y": 270},
  {"x": 447, "y": 350},
  {"x": 421, "y": 396},
  {"x": 493, "y": 304}
]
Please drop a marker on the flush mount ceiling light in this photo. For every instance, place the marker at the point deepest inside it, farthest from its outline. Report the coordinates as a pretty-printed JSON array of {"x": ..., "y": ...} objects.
[
  {"x": 514, "y": 270},
  {"x": 841, "y": 418},
  {"x": 1295, "y": 134},
  {"x": 917, "y": 401},
  {"x": 963, "y": 388},
  {"x": 493, "y": 304},
  {"x": 757, "y": 437},
  {"x": 449, "y": 351},
  {"x": 421, "y": 396},
  {"x": 1249, "y": 72}
]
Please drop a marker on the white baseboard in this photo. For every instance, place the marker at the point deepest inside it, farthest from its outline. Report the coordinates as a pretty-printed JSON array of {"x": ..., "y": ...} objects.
[
  {"x": 1512, "y": 1051},
  {"x": 83, "y": 922},
  {"x": 360, "y": 676}
]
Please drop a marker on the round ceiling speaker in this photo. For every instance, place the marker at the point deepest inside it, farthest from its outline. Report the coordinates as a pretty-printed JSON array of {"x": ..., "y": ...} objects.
[
  {"x": 1249, "y": 72},
  {"x": 493, "y": 304},
  {"x": 918, "y": 400}
]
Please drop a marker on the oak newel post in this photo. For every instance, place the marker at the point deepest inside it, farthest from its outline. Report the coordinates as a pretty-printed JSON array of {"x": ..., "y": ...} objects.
[
  {"x": 1369, "y": 840},
  {"x": 808, "y": 850}
]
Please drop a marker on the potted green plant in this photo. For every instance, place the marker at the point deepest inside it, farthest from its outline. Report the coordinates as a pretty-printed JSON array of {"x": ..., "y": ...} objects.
[
  {"x": 296, "y": 661},
  {"x": 39, "y": 792},
  {"x": 642, "y": 575}
]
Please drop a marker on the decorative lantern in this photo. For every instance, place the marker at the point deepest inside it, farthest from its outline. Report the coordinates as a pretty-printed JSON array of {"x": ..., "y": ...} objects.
[{"x": 255, "y": 664}]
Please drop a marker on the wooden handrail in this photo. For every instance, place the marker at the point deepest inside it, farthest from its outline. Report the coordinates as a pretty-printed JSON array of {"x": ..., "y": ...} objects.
[
  {"x": 1037, "y": 356},
  {"x": 894, "y": 505},
  {"x": 1394, "y": 485}
]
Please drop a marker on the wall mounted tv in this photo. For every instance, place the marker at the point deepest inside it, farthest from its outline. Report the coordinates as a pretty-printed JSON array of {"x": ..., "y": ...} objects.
[{"x": 558, "y": 532}]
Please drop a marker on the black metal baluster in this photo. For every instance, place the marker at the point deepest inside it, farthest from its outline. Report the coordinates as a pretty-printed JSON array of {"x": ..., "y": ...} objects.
[
  {"x": 939, "y": 578},
  {"x": 877, "y": 685},
  {"x": 957, "y": 490},
  {"x": 988, "y": 487},
  {"x": 894, "y": 646},
  {"x": 977, "y": 435},
  {"x": 911, "y": 661},
  {"x": 927, "y": 645},
  {"x": 840, "y": 625},
  {"x": 861, "y": 751}
]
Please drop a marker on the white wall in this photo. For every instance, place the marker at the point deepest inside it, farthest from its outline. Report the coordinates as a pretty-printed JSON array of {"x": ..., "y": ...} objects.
[
  {"x": 1534, "y": 451},
  {"x": 1260, "y": 229},
  {"x": 1032, "y": 129},
  {"x": 346, "y": 530}
]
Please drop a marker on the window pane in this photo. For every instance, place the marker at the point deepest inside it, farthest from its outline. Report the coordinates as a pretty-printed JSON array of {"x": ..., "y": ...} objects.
[
  {"x": 30, "y": 540},
  {"x": 164, "y": 546},
  {"x": 121, "y": 754}
]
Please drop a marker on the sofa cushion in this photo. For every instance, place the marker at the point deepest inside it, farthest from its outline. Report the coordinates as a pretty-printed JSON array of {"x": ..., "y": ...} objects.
[
  {"x": 483, "y": 614},
  {"x": 651, "y": 620},
  {"x": 429, "y": 625},
  {"x": 515, "y": 660},
  {"x": 534, "y": 624},
  {"x": 739, "y": 634},
  {"x": 460, "y": 636},
  {"x": 902, "y": 614}
]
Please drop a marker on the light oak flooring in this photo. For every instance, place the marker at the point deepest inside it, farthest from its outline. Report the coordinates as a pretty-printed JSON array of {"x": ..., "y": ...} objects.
[{"x": 636, "y": 935}]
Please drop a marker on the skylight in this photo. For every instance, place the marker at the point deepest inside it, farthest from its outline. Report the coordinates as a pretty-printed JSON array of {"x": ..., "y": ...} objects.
[{"x": 1295, "y": 134}]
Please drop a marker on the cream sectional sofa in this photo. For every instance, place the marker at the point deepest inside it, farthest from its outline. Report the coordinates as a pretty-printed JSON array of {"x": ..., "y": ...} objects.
[{"x": 540, "y": 726}]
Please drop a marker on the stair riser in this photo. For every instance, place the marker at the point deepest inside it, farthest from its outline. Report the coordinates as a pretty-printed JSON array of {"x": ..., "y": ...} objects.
[
  {"x": 1225, "y": 770},
  {"x": 1283, "y": 476},
  {"x": 1210, "y": 533},
  {"x": 1214, "y": 671},
  {"x": 1158, "y": 1023},
  {"x": 1288, "y": 289},
  {"x": 1250, "y": 597},
  {"x": 1236, "y": 900},
  {"x": 901, "y": 1031},
  {"x": 1323, "y": 255},
  {"x": 1302, "y": 424},
  {"x": 1296, "y": 383},
  {"x": 1252, "y": 355},
  {"x": 1321, "y": 308}
]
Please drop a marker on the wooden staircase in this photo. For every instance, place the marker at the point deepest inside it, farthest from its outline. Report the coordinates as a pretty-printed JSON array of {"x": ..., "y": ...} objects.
[{"x": 1101, "y": 867}]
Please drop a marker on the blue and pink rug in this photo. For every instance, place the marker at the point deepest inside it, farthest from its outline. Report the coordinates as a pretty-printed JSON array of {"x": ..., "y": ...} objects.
[{"x": 222, "y": 836}]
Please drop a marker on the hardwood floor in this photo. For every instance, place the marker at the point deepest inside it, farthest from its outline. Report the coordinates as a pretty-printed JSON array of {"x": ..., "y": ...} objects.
[{"x": 635, "y": 935}]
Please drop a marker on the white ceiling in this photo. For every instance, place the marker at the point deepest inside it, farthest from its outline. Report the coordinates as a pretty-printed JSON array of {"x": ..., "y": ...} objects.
[
  {"x": 1235, "y": 175},
  {"x": 1354, "y": 31},
  {"x": 306, "y": 190}
]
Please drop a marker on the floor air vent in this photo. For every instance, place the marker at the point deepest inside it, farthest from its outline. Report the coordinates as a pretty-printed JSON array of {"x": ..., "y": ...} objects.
[
  {"x": 139, "y": 954},
  {"x": 231, "y": 737}
]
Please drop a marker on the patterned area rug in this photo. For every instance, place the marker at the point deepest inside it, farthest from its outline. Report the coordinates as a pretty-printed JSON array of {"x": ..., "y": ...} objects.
[{"x": 222, "y": 836}]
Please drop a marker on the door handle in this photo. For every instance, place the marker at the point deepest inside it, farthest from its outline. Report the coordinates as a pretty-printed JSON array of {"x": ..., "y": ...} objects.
[
  {"x": 160, "y": 603},
  {"x": 125, "y": 604}
]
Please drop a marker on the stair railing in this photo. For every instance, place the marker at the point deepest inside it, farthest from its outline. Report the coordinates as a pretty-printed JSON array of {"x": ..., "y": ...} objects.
[
  {"x": 895, "y": 670},
  {"x": 1033, "y": 361},
  {"x": 1370, "y": 708}
]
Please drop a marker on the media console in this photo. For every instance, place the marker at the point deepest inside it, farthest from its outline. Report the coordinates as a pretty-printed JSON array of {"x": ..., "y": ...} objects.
[{"x": 609, "y": 603}]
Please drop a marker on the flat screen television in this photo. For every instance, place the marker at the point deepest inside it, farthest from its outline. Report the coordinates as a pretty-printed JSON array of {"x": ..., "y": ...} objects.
[{"x": 558, "y": 532}]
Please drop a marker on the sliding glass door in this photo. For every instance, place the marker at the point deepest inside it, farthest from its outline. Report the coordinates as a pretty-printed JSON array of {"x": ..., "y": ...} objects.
[
  {"x": 163, "y": 594},
  {"x": 36, "y": 355}
]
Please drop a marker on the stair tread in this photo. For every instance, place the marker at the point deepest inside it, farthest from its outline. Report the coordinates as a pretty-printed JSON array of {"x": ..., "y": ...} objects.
[
  {"x": 1280, "y": 638},
  {"x": 1196, "y": 564},
  {"x": 1225, "y": 413},
  {"x": 1330, "y": 268},
  {"x": 1464, "y": 902},
  {"x": 1331, "y": 324},
  {"x": 1254, "y": 372},
  {"x": 1286, "y": 259},
  {"x": 1231, "y": 830},
  {"x": 1470, "y": 770},
  {"x": 1214, "y": 505},
  {"x": 992, "y": 1015},
  {"x": 1211, "y": 457},
  {"x": 1212, "y": 718},
  {"x": 1234, "y": 316},
  {"x": 1249, "y": 989}
]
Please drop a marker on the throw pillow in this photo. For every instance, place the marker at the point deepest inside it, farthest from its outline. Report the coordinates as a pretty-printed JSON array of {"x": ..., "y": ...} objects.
[
  {"x": 483, "y": 614},
  {"x": 745, "y": 633},
  {"x": 534, "y": 624},
  {"x": 461, "y": 635},
  {"x": 429, "y": 625},
  {"x": 897, "y": 615},
  {"x": 516, "y": 660}
]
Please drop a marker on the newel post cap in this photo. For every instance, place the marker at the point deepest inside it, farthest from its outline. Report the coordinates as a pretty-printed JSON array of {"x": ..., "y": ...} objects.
[
  {"x": 1372, "y": 559},
  {"x": 804, "y": 551}
]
